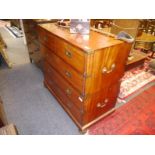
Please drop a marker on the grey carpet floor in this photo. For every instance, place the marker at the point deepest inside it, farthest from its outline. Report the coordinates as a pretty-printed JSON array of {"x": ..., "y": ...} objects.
[{"x": 28, "y": 104}]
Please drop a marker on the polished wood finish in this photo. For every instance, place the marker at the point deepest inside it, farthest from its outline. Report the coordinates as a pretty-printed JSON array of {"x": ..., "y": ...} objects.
[
  {"x": 82, "y": 71},
  {"x": 66, "y": 70},
  {"x": 66, "y": 88},
  {"x": 71, "y": 55},
  {"x": 105, "y": 59},
  {"x": 87, "y": 43}
]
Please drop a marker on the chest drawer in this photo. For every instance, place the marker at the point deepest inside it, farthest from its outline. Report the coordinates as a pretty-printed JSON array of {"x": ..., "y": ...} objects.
[
  {"x": 71, "y": 75},
  {"x": 66, "y": 88},
  {"x": 70, "y": 54},
  {"x": 46, "y": 38},
  {"x": 66, "y": 103},
  {"x": 101, "y": 102}
]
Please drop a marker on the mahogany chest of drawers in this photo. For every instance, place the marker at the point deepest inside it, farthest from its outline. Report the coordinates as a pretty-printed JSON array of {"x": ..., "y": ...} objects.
[{"x": 83, "y": 72}]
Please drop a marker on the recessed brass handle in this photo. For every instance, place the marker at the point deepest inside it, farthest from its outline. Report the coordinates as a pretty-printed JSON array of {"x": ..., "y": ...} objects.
[
  {"x": 68, "y": 91},
  {"x": 105, "y": 70},
  {"x": 68, "y": 54},
  {"x": 103, "y": 104},
  {"x": 68, "y": 74}
]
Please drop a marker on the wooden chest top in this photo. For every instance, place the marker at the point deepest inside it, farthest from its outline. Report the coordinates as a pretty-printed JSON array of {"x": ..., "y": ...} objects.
[{"x": 88, "y": 43}]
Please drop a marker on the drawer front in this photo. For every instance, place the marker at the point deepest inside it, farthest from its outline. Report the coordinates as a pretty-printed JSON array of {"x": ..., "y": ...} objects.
[
  {"x": 67, "y": 89},
  {"x": 101, "y": 102},
  {"x": 64, "y": 69},
  {"x": 46, "y": 39},
  {"x": 70, "y": 54},
  {"x": 67, "y": 104}
]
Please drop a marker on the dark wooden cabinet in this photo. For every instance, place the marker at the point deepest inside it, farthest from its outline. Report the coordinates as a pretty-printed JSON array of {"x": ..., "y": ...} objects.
[
  {"x": 82, "y": 71},
  {"x": 30, "y": 29}
]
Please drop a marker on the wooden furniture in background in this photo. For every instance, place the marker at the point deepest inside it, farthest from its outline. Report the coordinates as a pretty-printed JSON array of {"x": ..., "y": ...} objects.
[
  {"x": 128, "y": 25},
  {"x": 101, "y": 23},
  {"x": 31, "y": 35},
  {"x": 145, "y": 42},
  {"x": 137, "y": 59},
  {"x": 147, "y": 26},
  {"x": 83, "y": 72}
]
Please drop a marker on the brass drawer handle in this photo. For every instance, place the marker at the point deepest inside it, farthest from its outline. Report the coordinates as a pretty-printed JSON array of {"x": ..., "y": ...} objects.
[
  {"x": 68, "y": 54},
  {"x": 68, "y": 74},
  {"x": 105, "y": 70},
  {"x": 68, "y": 91},
  {"x": 102, "y": 105}
]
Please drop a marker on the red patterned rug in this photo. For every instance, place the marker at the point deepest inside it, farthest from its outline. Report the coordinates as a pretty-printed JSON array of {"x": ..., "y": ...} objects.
[
  {"x": 134, "y": 80},
  {"x": 137, "y": 117}
]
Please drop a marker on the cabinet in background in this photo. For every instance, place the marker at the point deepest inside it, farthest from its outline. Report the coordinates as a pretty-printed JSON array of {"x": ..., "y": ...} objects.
[{"x": 30, "y": 30}]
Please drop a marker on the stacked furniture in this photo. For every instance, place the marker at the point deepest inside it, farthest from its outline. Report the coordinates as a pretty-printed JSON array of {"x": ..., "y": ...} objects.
[
  {"x": 31, "y": 35},
  {"x": 83, "y": 72}
]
